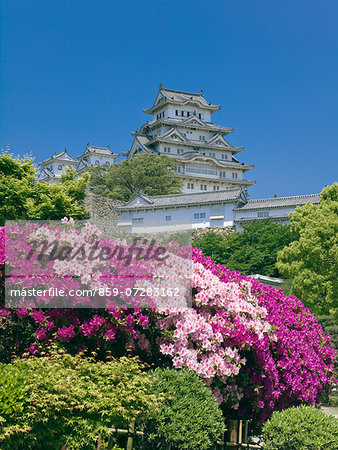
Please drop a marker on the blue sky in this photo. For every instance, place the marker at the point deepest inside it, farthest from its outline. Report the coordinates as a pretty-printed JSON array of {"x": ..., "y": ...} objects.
[{"x": 78, "y": 71}]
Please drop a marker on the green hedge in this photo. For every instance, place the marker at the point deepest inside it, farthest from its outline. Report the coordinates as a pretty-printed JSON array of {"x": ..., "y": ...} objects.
[
  {"x": 48, "y": 402},
  {"x": 189, "y": 418},
  {"x": 301, "y": 428}
]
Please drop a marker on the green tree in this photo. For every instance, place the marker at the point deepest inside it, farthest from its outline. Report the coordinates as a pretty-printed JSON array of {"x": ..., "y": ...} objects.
[
  {"x": 153, "y": 175},
  {"x": 311, "y": 261},
  {"x": 254, "y": 250},
  {"x": 23, "y": 197}
]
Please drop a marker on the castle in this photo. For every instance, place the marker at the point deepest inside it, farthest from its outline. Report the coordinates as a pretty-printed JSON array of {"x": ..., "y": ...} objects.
[
  {"x": 181, "y": 128},
  {"x": 213, "y": 178}
]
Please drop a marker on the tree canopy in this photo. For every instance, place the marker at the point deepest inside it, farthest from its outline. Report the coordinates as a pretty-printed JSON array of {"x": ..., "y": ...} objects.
[
  {"x": 23, "y": 197},
  {"x": 254, "y": 250},
  {"x": 153, "y": 175},
  {"x": 311, "y": 261}
]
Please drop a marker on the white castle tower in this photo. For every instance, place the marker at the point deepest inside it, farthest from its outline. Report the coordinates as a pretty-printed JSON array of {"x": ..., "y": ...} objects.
[
  {"x": 52, "y": 167},
  {"x": 181, "y": 128}
]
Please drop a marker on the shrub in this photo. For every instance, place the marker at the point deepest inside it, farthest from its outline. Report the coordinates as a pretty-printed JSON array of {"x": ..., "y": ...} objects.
[
  {"x": 301, "y": 428},
  {"x": 253, "y": 250},
  {"x": 48, "y": 402},
  {"x": 257, "y": 349},
  {"x": 189, "y": 418},
  {"x": 330, "y": 326}
]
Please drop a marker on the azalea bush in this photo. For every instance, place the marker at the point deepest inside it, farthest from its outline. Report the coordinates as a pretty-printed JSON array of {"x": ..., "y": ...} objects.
[{"x": 255, "y": 348}]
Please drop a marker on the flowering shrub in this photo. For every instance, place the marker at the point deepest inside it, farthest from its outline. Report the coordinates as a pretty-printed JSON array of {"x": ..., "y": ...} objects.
[
  {"x": 297, "y": 363},
  {"x": 2, "y": 245},
  {"x": 257, "y": 349}
]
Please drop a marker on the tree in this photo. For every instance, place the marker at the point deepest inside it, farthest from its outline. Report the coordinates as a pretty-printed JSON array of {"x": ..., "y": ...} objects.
[
  {"x": 254, "y": 250},
  {"x": 23, "y": 197},
  {"x": 311, "y": 261},
  {"x": 153, "y": 175}
]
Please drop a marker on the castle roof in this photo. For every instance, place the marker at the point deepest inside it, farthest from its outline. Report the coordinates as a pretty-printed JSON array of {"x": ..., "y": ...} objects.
[
  {"x": 174, "y": 136},
  {"x": 100, "y": 151},
  {"x": 142, "y": 201},
  {"x": 61, "y": 156},
  {"x": 165, "y": 96},
  {"x": 279, "y": 202},
  {"x": 187, "y": 122}
]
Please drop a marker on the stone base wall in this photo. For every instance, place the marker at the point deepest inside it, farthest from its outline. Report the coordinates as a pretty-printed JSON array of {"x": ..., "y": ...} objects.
[
  {"x": 101, "y": 214},
  {"x": 197, "y": 233}
]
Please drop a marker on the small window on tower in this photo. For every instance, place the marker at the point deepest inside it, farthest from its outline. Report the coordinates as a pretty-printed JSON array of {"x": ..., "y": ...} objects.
[
  {"x": 176, "y": 112},
  {"x": 59, "y": 167}
]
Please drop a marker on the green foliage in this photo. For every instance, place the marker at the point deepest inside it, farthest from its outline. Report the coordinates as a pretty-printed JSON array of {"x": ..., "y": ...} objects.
[
  {"x": 22, "y": 197},
  {"x": 311, "y": 261},
  {"x": 51, "y": 401},
  {"x": 330, "y": 327},
  {"x": 153, "y": 175},
  {"x": 189, "y": 418},
  {"x": 301, "y": 428},
  {"x": 254, "y": 250}
]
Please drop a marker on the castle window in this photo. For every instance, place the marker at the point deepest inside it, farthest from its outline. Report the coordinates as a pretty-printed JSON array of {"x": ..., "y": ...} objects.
[
  {"x": 137, "y": 220},
  {"x": 97, "y": 162},
  {"x": 200, "y": 115},
  {"x": 202, "y": 138},
  {"x": 166, "y": 149},
  {"x": 176, "y": 112},
  {"x": 190, "y": 185},
  {"x": 234, "y": 175},
  {"x": 203, "y": 187},
  {"x": 178, "y": 169},
  {"x": 263, "y": 214},
  {"x": 199, "y": 216},
  {"x": 224, "y": 156},
  {"x": 179, "y": 151},
  {"x": 59, "y": 167},
  {"x": 168, "y": 218}
]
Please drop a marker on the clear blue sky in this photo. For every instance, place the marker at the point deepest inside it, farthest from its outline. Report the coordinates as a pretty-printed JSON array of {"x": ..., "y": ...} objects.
[{"x": 78, "y": 71}]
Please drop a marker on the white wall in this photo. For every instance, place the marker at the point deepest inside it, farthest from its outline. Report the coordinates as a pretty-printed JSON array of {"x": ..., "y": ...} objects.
[
  {"x": 170, "y": 111},
  {"x": 272, "y": 212},
  {"x": 182, "y": 218},
  {"x": 102, "y": 159}
]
